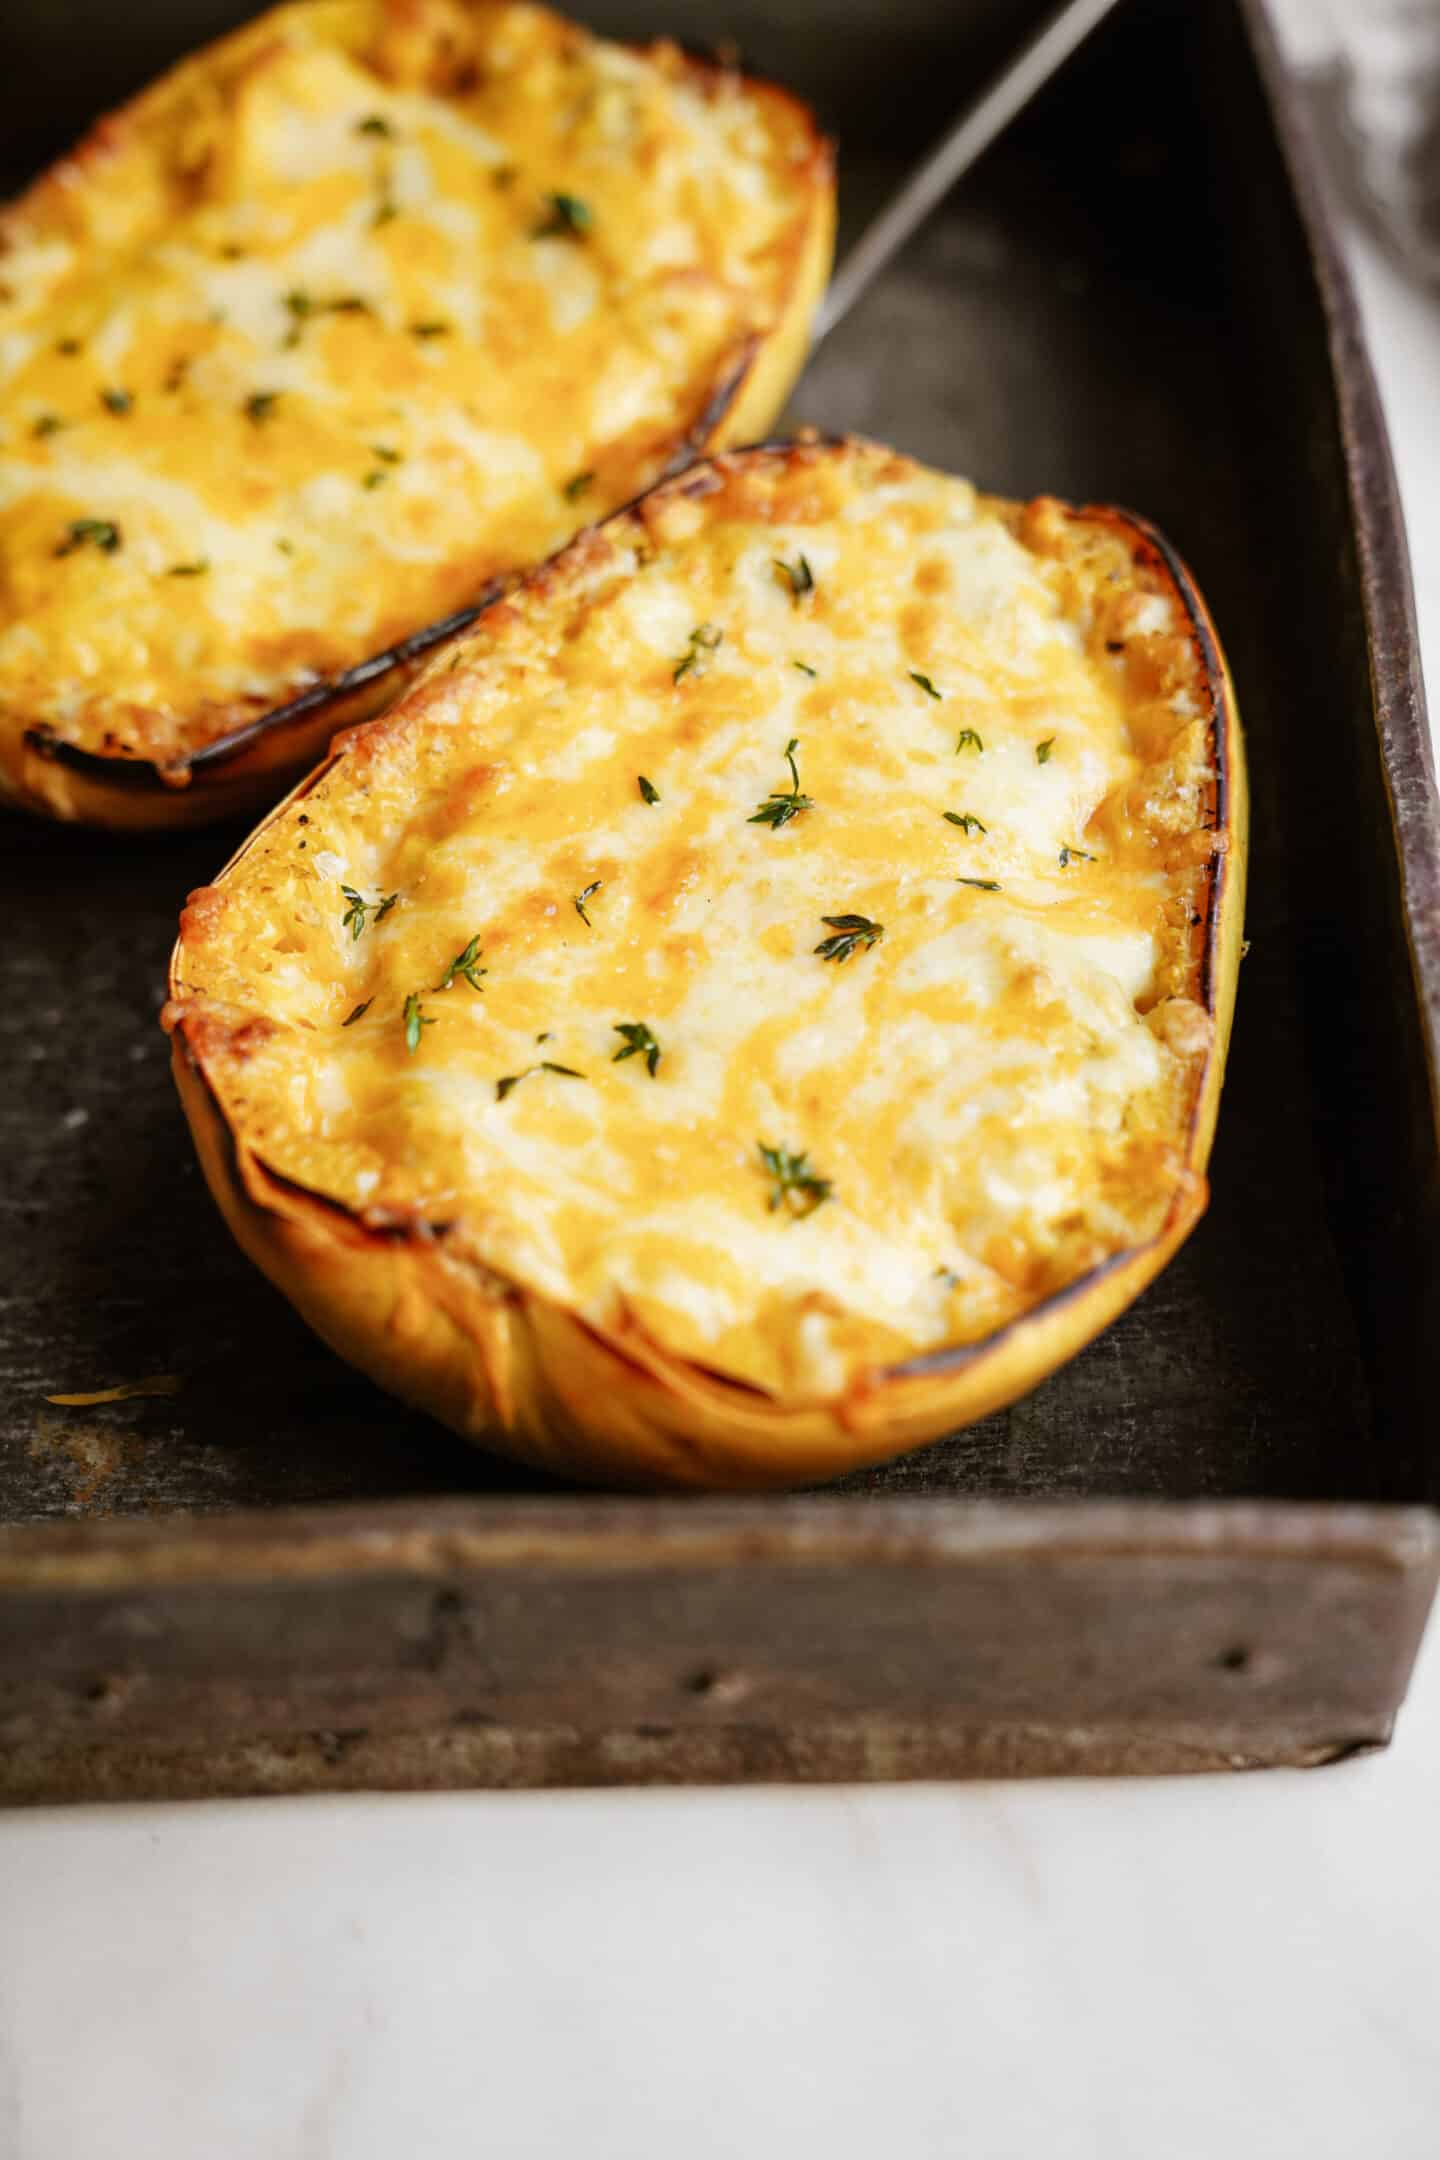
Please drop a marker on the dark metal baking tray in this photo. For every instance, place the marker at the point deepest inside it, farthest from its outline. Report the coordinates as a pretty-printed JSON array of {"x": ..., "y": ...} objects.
[{"x": 1205, "y": 1542}]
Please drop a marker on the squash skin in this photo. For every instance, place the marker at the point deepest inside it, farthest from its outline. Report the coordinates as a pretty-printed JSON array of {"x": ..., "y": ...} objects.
[
  {"x": 245, "y": 767},
  {"x": 526, "y": 1377}
]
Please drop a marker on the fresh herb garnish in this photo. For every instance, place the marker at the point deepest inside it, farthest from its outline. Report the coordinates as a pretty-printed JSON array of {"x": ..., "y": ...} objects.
[
  {"x": 967, "y": 822},
  {"x": 101, "y": 533},
  {"x": 638, "y": 1042},
  {"x": 430, "y": 329},
  {"x": 1070, "y": 854},
  {"x": 386, "y": 454},
  {"x": 925, "y": 684},
  {"x": 805, "y": 668},
  {"x": 967, "y": 739},
  {"x": 415, "y": 1022},
  {"x": 67, "y": 345},
  {"x": 47, "y": 423},
  {"x": 375, "y": 478},
  {"x": 117, "y": 400},
  {"x": 466, "y": 964},
  {"x": 355, "y": 914},
  {"x": 385, "y": 209},
  {"x": 358, "y": 1014},
  {"x": 705, "y": 639},
  {"x": 302, "y": 306},
  {"x": 512, "y": 1080},
  {"x": 578, "y": 486},
  {"x": 286, "y": 547},
  {"x": 778, "y": 809},
  {"x": 797, "y": 575},
  {"x": 374, "y": 124},
  {"x": 197, "y": 568},
  {"x": 853, "y": 933},
  {"x": 979, "y": 884},
  {"x": 1043, "y": 750},
  {"x": 259, "y": 406},
  {"x": 577, "y": 900},
  {"x": 648, "y": 792},
  {"x": 567, "y": 217},
  {"x": 798, "y": 1190}
]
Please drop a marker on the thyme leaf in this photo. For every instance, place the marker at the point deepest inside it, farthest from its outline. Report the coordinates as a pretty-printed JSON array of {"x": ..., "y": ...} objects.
[
  {"x": 925, "y": 684},
  {"x": 648, "y": 791},
  {"x": 806, "y": 669},
  {"x": 577, "y": 900},
  {"x": 1043, "y": 750},
  {"x": 568, "y": 218},
  {"x": 512, "y": 1080},
  {"x": 101, "y": 533},
  {"x": 259, "y": 406},
  {"x": 416, "y": 1022},
  {"x": 358, "y": 1014},
  {"x": 580, "y": 484},
  {"x": 197, "y": 568},
  {"x": 967, "y": 822},
  {"x": 967, "y": 739},
  {"x": 980, "y": 884},
  {"x": 1069, "y": 854},
  {"x": 374, "y": 124},
  {"x": 117, "y": 400}
]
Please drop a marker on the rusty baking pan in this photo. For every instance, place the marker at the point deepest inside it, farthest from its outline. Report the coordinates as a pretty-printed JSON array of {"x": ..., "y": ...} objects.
[{"x": 1207, "y": 1541}]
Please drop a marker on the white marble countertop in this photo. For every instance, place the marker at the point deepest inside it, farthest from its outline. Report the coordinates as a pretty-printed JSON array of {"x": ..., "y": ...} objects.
[{"x": 1162, "y": 1970}]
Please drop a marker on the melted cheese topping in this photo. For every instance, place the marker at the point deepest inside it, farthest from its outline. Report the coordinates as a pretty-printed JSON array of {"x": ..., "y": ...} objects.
[
  {"x": 995, "y": 1090},
  {"x": 357, "y": 307}
]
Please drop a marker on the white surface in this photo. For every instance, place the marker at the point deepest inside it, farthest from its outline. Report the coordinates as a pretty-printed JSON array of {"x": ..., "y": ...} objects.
[{"x": 1176, "y": 1970}]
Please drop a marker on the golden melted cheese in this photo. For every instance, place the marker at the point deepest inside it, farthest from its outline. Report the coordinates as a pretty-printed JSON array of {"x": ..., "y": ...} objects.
[
  {"x": 370, "y": 300},
  {"x": 996, "y": 1090}
]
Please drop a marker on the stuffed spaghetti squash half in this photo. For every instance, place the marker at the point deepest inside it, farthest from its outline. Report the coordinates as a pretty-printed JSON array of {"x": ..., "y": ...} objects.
[
  {"x": 363, "y": 304},
  {"x": 758, "y": 1001}
]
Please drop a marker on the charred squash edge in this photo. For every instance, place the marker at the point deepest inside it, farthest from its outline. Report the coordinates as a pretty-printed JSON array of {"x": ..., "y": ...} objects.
[
  {"x": 239, "y": 770},
  {"x": 536, "y": 1381}
]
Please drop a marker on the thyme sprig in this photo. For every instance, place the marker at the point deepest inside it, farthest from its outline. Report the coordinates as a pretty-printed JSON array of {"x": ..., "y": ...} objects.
[
  {"x": 778, "y": 808},
  {"x": 965, "y": 819},
  {"x": 639, "y": 1042},
  {"x": 359, "y": 909},
  {"x": 794, "y": 1186},
  {"x": 797, "y": 575},
  {"x": 705, "y": 639},
  {"x": 466, "y": 964},
  {"x": 416, "y": 1022},
  {"x": 853, "y": 933}
]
